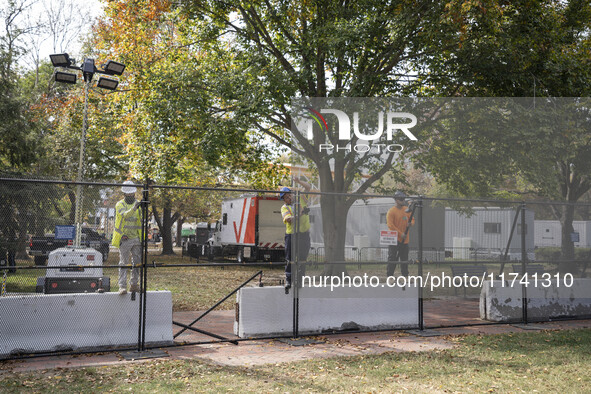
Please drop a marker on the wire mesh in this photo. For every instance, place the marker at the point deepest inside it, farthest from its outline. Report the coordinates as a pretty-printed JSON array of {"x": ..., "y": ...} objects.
[{"x": 219, "y": 255}]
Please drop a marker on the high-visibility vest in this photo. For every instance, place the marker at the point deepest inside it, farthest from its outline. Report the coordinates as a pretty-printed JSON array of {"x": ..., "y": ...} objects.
[
  {"x": 128, "y": 222},
  {"x": 287, "y": 212}
]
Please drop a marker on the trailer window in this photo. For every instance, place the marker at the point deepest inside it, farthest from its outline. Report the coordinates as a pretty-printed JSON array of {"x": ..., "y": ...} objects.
[{"x": 492, "y": 228}]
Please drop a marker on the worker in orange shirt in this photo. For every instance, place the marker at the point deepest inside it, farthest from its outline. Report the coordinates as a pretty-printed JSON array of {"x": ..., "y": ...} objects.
[{"x": 397, "y": 219}]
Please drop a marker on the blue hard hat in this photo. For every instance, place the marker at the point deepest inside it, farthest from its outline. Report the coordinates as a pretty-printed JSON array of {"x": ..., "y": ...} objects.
[{"x": 283, "y": 191}]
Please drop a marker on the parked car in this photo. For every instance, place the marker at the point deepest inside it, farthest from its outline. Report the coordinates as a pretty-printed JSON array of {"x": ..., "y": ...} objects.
[{"x": 39, "y": 247}]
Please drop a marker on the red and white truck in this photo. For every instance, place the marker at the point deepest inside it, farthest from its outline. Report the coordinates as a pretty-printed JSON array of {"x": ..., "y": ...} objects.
[{"x": 251, "y": 229}]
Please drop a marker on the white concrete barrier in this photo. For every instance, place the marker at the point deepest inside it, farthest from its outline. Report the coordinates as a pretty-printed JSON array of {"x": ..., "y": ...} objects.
[
  {"x": 504, "y": 303},
  {"x": 269, "y": 311},
  {"x": 49, "y": 322}
]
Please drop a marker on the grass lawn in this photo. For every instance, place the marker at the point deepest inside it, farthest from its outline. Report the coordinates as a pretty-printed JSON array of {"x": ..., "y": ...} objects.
[
  {"x": 199, "y": 287},
  {"x": 193, "y": 288},
  {"x": 549, "y": 361}
]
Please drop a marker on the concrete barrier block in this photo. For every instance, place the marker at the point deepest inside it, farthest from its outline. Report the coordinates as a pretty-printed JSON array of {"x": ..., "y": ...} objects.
[
  {"x": 266, "y": 311},
  {"x": 501, "y": 302},
  {"x": 50, "y": 322}
]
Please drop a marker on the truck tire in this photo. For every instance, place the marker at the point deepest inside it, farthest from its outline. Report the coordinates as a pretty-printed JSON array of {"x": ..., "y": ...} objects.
[
  {"x": 193, "y": 250},
  {"x": 40, "y": 288},
  {"x": 40, "y": 260},
  {"x": 11, "y": 262}
]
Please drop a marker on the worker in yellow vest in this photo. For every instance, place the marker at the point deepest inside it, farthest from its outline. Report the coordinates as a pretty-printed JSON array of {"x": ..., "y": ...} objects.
[
  {"x": 126, "y": 236},
  {"x": 302, "y": 232}
]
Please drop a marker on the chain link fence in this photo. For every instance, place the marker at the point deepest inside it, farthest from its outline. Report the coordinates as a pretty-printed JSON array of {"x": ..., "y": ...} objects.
[{"x": 213, "y": 264}]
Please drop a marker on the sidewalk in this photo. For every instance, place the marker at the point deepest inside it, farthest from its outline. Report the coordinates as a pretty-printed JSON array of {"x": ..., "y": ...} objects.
[{"x": 258, "y": 352}]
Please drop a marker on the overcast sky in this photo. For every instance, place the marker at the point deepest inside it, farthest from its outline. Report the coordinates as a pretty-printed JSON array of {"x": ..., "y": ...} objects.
[{"x": 61, "y": 26}]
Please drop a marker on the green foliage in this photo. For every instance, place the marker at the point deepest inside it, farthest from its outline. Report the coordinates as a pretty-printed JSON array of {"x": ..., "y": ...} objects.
[
  {"x": 28, "y": 208},
  {"x": 517, "y": 49},
  {"x": 18, "y": 134},
  {"x": 169, "y": 125},
  {"x": 555, "y": 253},
  {"x": 274, "y": 51},
  {"x": 286, "y": 49}
]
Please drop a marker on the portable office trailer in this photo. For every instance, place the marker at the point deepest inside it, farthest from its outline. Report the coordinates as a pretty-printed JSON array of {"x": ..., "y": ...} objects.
[
  {"x": 548, "y": 233},
  {"x": 486, "y": 232},
  {"x": 367, "y": 218}
]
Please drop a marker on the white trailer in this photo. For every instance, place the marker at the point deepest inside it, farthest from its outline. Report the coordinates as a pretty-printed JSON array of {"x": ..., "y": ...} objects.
[
  {"x": 485, "y": 232},
  {"x": 251, "y": 229},
  {"x": 548, "y": 233},
  {"x": 366, "y": 219}
]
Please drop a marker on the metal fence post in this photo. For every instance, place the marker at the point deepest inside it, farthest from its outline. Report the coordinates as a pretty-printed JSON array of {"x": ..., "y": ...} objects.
[
  {"x": 294, "y": 264},
  {"x": 143, "y": 269},
  {"x": 523, "y": 263},
  {"x": 505, "y": 256},
  {"x": 420, "y": 256}
]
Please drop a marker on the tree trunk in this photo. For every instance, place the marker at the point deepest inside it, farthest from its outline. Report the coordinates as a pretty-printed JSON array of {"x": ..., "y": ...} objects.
[
  {"x": 165, "y": 226},
  {"x": 166, "y": 231},
  {"x": 334, "y": 225},
  {"x": 22, "y": 241},
  {"x": 179, "y": 230}
]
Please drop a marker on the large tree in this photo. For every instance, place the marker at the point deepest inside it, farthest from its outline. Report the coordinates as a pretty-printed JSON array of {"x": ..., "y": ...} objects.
[
  {"x": 18, "y": 135},
  {"x": 167, "y": 111},
  {"x": 279, "y": 50}
]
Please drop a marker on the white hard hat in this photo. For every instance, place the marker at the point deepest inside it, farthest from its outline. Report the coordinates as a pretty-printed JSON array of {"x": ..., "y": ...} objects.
[{"x": 128, "y": 189}]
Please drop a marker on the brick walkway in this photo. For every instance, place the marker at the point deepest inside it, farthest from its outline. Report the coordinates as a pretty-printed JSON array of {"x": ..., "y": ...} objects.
[{"x": 438, "y": 313}]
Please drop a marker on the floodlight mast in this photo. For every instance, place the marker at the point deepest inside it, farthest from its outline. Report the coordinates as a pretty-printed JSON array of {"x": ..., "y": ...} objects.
[{"x": 88, "y": 70}]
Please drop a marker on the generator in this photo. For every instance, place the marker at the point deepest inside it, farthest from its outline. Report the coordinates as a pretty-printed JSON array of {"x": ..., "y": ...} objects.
[{"x": 70, "y": 270}]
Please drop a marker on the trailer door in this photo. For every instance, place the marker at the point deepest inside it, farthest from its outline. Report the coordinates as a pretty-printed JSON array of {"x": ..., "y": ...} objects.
[
  {"x": 271, "y": 232},
  {"x": 238, "y": 221}
]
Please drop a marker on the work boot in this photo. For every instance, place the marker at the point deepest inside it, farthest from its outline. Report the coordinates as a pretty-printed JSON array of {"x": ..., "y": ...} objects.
[
  {"x": 134, "y": 288},
  {"x": 287, "y": 287},
  {"x": 122, "y": 291}
]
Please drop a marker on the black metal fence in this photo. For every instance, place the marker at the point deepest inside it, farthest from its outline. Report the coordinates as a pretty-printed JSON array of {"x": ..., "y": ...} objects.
[{"x": 206, "y": 251}]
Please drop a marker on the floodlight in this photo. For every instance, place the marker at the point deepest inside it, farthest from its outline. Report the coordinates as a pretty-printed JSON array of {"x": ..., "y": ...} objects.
[
  {"x": 88, "y": 69},
  {"x": 65, "y": 77},
  {"x": 60, "y": 60},
  {"x": 107, "y": 83},
  {"x": 114, "y": 68}
]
